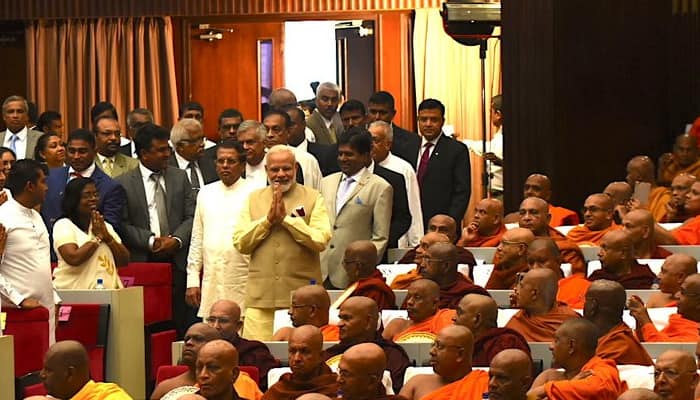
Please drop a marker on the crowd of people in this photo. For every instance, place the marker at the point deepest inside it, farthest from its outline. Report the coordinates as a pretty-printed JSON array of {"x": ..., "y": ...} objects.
[{"x": 275, "y": 213}]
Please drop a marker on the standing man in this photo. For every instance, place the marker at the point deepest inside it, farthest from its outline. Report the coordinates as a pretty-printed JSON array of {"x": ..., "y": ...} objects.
[
  {"x": 380, "y": 107},
  {"x": 17, "y": 136},
  {"x": 352, "y": 114},
  {"x": 326, "y": 155},
  {"x": 135, "y": 119},
  {"x": 157, "y": 221},
  {"x": 283, "y": 227},
  {"x": 194, "y": 110},
  {"x": 25, "y": 265},
  {"x": 229, "y": 121},
  {"x": 188, "y": 141},
  {"x": 218, "y": 208},
  {"x": 325, "y": 121},
  {"x": 251, "y": 134},
  {"x": 109, "y": 159}
]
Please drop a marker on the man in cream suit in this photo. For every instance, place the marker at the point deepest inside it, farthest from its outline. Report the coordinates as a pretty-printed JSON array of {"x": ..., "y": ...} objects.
[
  {"x": 17, "y": 136},
  {"x": 359, "y": 205},
  {"x": 107, "y": 140},
  {"x": 325, "y": 121}
]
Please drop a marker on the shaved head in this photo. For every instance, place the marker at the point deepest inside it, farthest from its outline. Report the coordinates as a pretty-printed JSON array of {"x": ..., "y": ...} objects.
[
  {"x": 682, "y": 365},
  {"x": 640, "y": 169},
  {"x": 639, "y": 394},
  {"x": 619, "y": 192},
  {"x": 456, "y": 362},
  {"x": 69, "y": 366},
  {"x": 443, "y": 224},
  {"x": 546, "y": 281},
  {"x": 358, "y": 317},
  {"x": 521, "y": 235},
  {"x": 422, "y": 299},
  {"x": 534, "y": 215},
  {"x": 538, "y": 185},
  {"x": 543, "y": 252},
  {"x": 360, "y": 260},
  {"x": 225, "y": 316},
  {"x": 368, "y": 357},
  {"x": 477, "y": 312},
  {"x": 318, "y": 302},
  {"x": 304, "y": 348},
  {"x": 360, "y": 371},
  {"x": 685, "y": 150},
  {"x": 598, "y": 212},
  {"x": 639, "y": 225},
  {"x": 575, "y": 342},
  {"x": 313, "y": 396},
  {"x": 217, "y": 369},
  {"x": 674, "y": 270},
  {"x": 308, "y": 334},
  {"x": 195, "y": 337},
  {"x": 426, "y": 241},
  {"x": 616, "y": 251},
  {"x": 282, "y": 98},
  {"x": 488, "y": 213},
  {"x": 510, "y": 375},
  {"x": 605, "y": 301}
]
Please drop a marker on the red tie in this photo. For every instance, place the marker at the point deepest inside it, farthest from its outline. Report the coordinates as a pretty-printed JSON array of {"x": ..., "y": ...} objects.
[
  {"x": 75, "y": 175},
  {"x": 423, "y": 164}
]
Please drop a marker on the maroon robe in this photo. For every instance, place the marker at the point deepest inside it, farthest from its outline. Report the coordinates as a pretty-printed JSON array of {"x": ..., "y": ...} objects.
[
  {"x": 289, "y": 388},
  {"x": 493, "y": 342},
  {"x": 256, "y": 354},
  {"x": 640, "y": 277},
  {"x": 375, "y": 288},
  {"x": 451, "y": 295}
]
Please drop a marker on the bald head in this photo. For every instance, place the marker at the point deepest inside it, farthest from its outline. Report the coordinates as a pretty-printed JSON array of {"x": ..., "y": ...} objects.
[
  {"x": 69, "y": 363},
  {"x": 584, "y": 333},
  {"x": 605, "y": 302},
  {"x": 543, "y": 252},
  {"x": 282, "y": 98},
  {"x": 519, "y": 235},
  {"x": 313, "y": 396},
  {"x": 639, "y": 394},
  {"x": 510, "y": 375},
  {"x": 195, "y": 337},
  {"x": 319, "y": 302},
  {"x": 534, "y": 215},
  {"x": 616, "y": 251},
  {"x": 308, "y": 334},
  {"x": 304, "y": 348},
  {"x": 681, "y": 264},
  {"x": 366, "y": 363},
  {"x": 364, "y": 250},
  {"x": 422, "y": 299},
  {"x": 217, "y": 369},
  {"x": 443, "y": 224},
  {"x": 360, "y": 260},
  {"x": 358, "y": 317},
  {"x": 452, "y": 355},
  {"x": 538, "y": 185},
  {"x": 426, "y": 287},
  {"x": 546, "y": 281},
  {"x": 228, "y": 307},
  {"x": 685, "y": 150},
  {"x": 225, "y": 316},
  {"x": 444, "y": 251},
  {"x": 619, "y": 192},
  {"x": 640, "y": 169},
  {"x": 477, "y": 312},
  {"x": 315, "y": 294},
  {"x": 488, "y": 213},
  {"x": 598, "y": 212},
  {"x": 365, "y": 357},
  {"x": 682, "y": 365}
]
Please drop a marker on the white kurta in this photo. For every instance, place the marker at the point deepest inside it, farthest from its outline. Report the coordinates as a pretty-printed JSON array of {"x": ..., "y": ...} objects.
[
  {"x": 309, "y": 168},
  {"x": 225, "y": 269},
  {"x": 415, "y": 231},
  {"x": 25, "y": 268}
]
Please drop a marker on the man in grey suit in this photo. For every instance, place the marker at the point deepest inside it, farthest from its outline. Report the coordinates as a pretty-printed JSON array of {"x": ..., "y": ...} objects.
[
  {"x": 107, "y": 140},
  {"x": 187, "y": 137},
  {"x": 359, "y": 205},
  {"x": 325, "y": 121},
  {"x": 157, "y": 221},
  {"x": 17, "y": 136}
]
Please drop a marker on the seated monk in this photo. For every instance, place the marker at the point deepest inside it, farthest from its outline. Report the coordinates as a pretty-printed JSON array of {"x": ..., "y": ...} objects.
[
  {"x": 510, "y": 258},
  {"x": 544, "y": 253},
  {"x": 66, "y": 375},
  {"x": 217, "y": 370},
  {"x": 364, "y": 279},
  {"x": 618, "y": 263},
  {"x": 675, "y": 375},
  {"x": 641, "y": 169},
  {"x": 540, "y": 313},
  {"x": 360, "y": 373},
  {"x": 689, "y": 232},
  {"x": 597, "y": 221},
  {"x": 682, "y": 327},
  {"x": 535, "y": 217},
  {"x": 486, "y": 227},
  {"x": 538, "y": 185},
  {"x": 402, "y": 281},
  {"x": 673, "y": 272},
  {"x": 620, "y": 192},
  {"x": 639, "y": 394},
  {"x": 454, "y": 379},
  {"x": 309, "y": 373},
  {"x": 313, "y": 396},
  {"x": 680, "y": 187},
  {"x": 440, "y": 265},
  {"x": 310, "y": 306},
  {"x": 510, "y": 375},
  {"x": 639, "y": 225},
  {"x": 480, "y": 314},
  {"x": 683, "y": 160},
  {"x": 424, "y": 314},
  {"x": 605, "y": 301},
  {"x": 585, "y": 375},
  {"x": 359, "y": 317},
  {"x": 196, "y": 336}
]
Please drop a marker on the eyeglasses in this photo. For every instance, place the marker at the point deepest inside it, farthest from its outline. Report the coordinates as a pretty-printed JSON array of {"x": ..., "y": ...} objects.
[
  {"x": 670, "y": 374},
  {"x": 221, "y": 320}
]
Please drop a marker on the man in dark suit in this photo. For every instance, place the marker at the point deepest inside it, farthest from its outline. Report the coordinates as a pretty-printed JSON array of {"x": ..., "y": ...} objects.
[
  {"x": 381, "y": 108},
  {"x": 227, "y": 127},
  {"x": 135, "y": 119},
  {"x": 187, "y": 138},
  {"x": 325, "y": 121},
  {"x": 326, "y": 154},
  {"x": 400, "y": 214},
  {"x": 157, "y": 220},
  {"x": 443, "y": 168}
]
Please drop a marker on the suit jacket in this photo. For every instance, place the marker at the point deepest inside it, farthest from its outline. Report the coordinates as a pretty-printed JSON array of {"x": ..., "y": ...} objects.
[
  {"x": 122, "y": 164},
  {"x": 135, "y": 228},
  {"x": 32, "y": 138},
  {"x": 405, "y": 145},
  {"x": 447, "y": 183},
  {"x": 400, "y": 214},
  {"x": 326, "y": 155},
  {"x": 206, "y": 166},
  {"x": 366, "y": 215},
  {"x": 318, "y": 126}
]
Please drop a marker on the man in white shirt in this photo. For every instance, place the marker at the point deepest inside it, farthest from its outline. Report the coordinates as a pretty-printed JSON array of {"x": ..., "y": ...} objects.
[
  {"x": 25, "y": 267},
  {"x": 252, "y": 134},
  {"x": 326, "y": 155},
  {"x": 215, "y": 217},
  {"x": 187, "y": 138},
  {"x": 17, "y": 136},
  {"x": 494, "y": 148},
  {"x": 382, "y": 137}
]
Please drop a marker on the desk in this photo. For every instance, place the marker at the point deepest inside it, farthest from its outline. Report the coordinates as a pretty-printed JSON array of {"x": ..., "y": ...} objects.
[
  {"x": 7, "y": 367},
  {"x": 126, "y": 364}
]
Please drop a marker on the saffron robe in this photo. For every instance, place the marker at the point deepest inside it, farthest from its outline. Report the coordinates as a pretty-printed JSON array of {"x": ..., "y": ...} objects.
[
  {"x": 689, "y": 232},
  {"x": 504, "y": 279},
  {"x": 673, "y": 169},
  {"x": 678, "y": 329},
  {"x": 375, "y": 288},
  {"x": 331, "y": 333},
  {"x": 432, "y": 324},
  {"x": 471, "y": 387},
  {"x": 569, "y": 251},
  {"x": 402, "y": 281},
  {"x": 562, "y": 216},
  {"x": 572, "y": 290},
  {"x": 289, "y": 388},
  {"x": 450, "y": 296},
  {"x": 98, "y": 390},
  {"x": 603, "y": 384},
  {"x": 658, "y": 198},
  {"x": 640, "y": 277},
  {"x": 582, "y": 235},
  {"x": 541, "y": 328},
  {"x": 622, "y": 346},
  {"x": 484, "y": 241},
  {"x": 493, "y": 342}
]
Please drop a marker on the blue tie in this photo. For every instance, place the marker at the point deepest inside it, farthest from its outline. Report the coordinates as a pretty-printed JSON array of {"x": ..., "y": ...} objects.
[{"x": 13, "y": 142}]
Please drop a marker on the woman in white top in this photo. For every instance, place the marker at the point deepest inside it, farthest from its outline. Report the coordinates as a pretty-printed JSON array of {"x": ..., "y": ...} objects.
[{"x": 88, "y": 248}]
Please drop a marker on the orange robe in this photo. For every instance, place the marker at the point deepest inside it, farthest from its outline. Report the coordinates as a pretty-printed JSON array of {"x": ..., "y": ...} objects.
[
  {"x": 98, "y": 390},
  {"x": 484, "y": 241},
  {"x": 331, "y": 333},
  {"x": 569, "y": 251},
  {"x": 688, "y": 233},
  {"x": 541, "y": 328},
  {"x": 562, "y": 216},
  {"x": 673, "y": 169},
  {"x": 471, "y": 387},
  {"x": 433, "y": 324},
  {"x": 246, "y": 387},
  {"x": 581, "y": 235},
  {"x": 622, "y": 346},
  {"x": 603, "y": 384},
  {"x": 504, "y": 279},
  {"x": 572, "y": 290},
  {"x": 678, "y": 329},
  {"x": 404, "y": 280},
  {"x": 658, "y": 198}
]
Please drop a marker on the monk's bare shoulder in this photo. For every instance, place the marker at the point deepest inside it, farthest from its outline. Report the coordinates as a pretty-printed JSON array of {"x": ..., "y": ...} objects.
[
  {"x": 658, "y": 299},
  {"x": 282, "y": 334},
  {"x": 167, "y": 385},
  {"x": 549, "y": 375},
  {"x": 395, "y": 326},
  {"x": 420, "y": 385}
]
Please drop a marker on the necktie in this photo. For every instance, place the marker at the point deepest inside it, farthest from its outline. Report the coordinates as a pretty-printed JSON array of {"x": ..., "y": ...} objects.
[
  {"x": 194, "y": 179},
  {"x": 331, "y": 131},
  {"x": 161, "y": 205},
  {"x": 423, "y": 164},
  {"x": 13, "y": 142},
  {"x": 343, "y": 193},
  {"x": 74, "y": 175},
  {"x": 108, "y": 166}
]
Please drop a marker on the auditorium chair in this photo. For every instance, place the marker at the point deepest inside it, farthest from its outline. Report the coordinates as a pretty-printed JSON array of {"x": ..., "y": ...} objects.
[
  {"x": 30, "y": 329},
  {"x": 87, "y": 324}
]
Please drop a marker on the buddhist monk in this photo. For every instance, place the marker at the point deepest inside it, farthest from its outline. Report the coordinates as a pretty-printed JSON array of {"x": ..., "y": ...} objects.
[
  {"x": 450, "y": 357},
  {"x": 217, "y": 370},
  {"x": 597, "y": 221},
  {"x": 310, "y": 306},
  {"x": 683, "y": 159},
  {"x": 225, "y": 316},
  {"x": 605, "y": 301},
  {"x": 358, "y": 323},
  {"x": 360, "y": 263},
  {"x": 402, "y": 281},
  {"x": 309, "y": 373},
  {"x": 510, "y": 375},
  {"x": 313, "y": 396},
  {"x": 480, "y": 314},
  {"x": 675, "y": 209},
  {"x": 66, "y": 375},
  {"x": 538, "y": 185},
  {"x": 424, "y": 313},
  {"x": 440, "y": 265},
  {"x": 534, "y": 215},
  {"x": 639, "y": 224},
  {"x": 541, "y": 314},
  {"x": 689, "y": 232},
  {"x": 639, "y": 394},
  {"x": 446, "y": 225},
  {"x": 673, "y": 272},
  {"x": 675, "y": 375},
  {"x": 360, "y": 373},
  {"x": 682, "y": 327},
  {"x": 620, "y": 193},
  {"x": 585, "y": 375},
  {"x": 641, "y": 169},
  {"x": 510, "y": 258},
  {"x": 619, "y": 264},
  {"x": 486, "y": 227}
]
